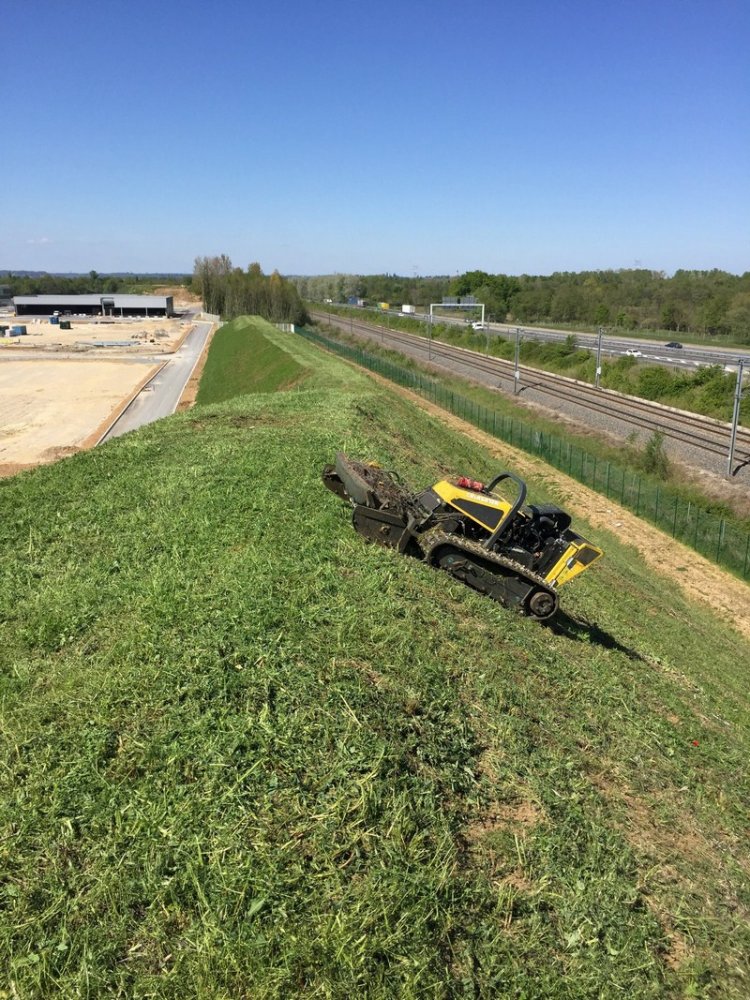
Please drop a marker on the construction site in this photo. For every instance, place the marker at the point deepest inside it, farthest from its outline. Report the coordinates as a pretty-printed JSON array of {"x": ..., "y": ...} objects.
[{"x": 64, "y": 379}]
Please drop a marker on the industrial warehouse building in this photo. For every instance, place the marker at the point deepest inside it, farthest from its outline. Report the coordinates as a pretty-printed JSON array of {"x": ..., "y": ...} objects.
[{"x": 94, "y": 305}]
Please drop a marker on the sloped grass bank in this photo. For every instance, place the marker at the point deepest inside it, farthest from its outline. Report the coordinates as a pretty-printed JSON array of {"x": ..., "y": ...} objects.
[
  {"x": 250, "y": 355},
  {"x": 242, "y": 359},
  {"x": 247, "y": 754},
  {"x": 718, "y": 529}
]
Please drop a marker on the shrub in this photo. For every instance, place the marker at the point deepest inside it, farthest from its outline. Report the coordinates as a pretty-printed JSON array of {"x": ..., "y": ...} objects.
[
  {"x": 654, "y": 382},
  {"x": 655, "y": 460}
]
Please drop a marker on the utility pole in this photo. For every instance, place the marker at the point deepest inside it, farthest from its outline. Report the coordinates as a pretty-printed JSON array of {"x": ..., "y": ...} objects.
[
  {"x": 735, "y": 416},
  {"x": 517, "y": 371},
  {"x": 429, "y": 337},
  {"x": 599, "y": 331}
]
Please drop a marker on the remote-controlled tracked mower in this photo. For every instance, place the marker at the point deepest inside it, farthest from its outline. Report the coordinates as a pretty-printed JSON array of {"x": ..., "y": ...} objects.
[{"x": 515, "y": 554}]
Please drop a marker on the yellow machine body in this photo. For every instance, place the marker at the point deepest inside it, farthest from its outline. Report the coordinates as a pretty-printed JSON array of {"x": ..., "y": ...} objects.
[
  {"x": 488, "y": 510},
  {"x": 515, "y": 553}
]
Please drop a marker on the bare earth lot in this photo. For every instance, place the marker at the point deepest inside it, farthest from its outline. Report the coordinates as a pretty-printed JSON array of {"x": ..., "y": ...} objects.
[
  {"x": 149, "y": 335},
  {"x": 53, "y": 407},
  {"x": 60, "y": 389}
]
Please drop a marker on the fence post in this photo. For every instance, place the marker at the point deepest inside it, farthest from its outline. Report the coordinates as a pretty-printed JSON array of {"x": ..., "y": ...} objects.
[
  {"x": 656, "y": 506},
  {"x": 674, "y": 522},
  {"x": 721, "y": 538}
]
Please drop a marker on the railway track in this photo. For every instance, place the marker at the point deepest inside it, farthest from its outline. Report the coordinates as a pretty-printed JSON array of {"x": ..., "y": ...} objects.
[{"x": 702, "y": 434}]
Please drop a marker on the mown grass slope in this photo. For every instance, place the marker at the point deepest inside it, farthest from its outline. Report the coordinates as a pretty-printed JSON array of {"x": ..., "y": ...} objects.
[
  {"x": 244, "y": 359},
  {"x": 247, "y": 754}
]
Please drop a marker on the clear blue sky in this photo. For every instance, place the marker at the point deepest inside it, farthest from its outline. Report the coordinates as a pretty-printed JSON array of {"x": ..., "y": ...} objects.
[{"x": 418, "y": 136}]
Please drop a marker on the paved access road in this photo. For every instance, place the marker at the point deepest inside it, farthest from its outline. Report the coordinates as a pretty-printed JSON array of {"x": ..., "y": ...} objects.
[{"x": 162, "y": 394}]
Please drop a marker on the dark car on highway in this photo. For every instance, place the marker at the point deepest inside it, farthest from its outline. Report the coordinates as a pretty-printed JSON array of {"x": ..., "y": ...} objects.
[{"x": 673, "y": 343}]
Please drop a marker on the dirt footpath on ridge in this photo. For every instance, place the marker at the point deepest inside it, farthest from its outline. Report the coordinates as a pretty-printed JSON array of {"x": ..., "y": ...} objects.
[{"x": 697, "y": 577}]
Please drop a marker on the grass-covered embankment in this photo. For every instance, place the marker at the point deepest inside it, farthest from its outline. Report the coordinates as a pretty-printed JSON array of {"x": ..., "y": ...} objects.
[
  {"x": 244, "y": 359},
  {"x": 246, "y": 754}
]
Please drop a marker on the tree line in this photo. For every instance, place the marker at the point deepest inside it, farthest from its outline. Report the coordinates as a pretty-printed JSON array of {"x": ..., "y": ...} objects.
[
  {"x": 92, "y": 283},
  {"x": 374, "y": 288},
  {"x": 708, "y": 303},
  {"x": 229, "y": 291}
]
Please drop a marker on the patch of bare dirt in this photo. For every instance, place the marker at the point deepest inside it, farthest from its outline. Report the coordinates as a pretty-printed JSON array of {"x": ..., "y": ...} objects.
[
  {"x": 517, "y": 817},
  {"x": 646, "y": 832},
  {"x": 13, "y": 468},
  {"x": 698, "y": 578},
  {"x": 516, "y": 881},
  {"x": 179, "y": 293},
  {"x": 55, "y": 454},
  {"x": 678, "y": 951}
]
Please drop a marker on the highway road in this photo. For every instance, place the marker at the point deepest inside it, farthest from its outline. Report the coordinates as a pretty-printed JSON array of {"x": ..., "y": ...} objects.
[
  {"x": 159, "y": 398},
  {"x": 642, "y": 350}
]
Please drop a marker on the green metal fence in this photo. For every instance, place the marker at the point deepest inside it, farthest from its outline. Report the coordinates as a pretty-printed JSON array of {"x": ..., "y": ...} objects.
[{"x": 714, "y": 537}]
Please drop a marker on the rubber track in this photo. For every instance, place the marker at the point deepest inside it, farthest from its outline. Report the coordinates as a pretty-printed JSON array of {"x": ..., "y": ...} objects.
[{"x": 436, "y": 537}]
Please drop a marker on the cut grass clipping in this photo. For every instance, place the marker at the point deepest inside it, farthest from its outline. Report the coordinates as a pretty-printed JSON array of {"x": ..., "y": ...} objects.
[{"x": 247, "y": 754}]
